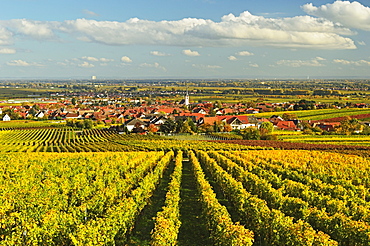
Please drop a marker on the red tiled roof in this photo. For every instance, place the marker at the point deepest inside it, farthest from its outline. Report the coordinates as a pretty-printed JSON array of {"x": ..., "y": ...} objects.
[
  {"x": 197, "y": 115},
  {"x": 286, "y": 125},
  {"x": 210, "y": 120}
]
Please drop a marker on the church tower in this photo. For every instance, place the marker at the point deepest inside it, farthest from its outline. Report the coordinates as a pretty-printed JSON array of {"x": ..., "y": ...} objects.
[{"x": 187, "y": 101}]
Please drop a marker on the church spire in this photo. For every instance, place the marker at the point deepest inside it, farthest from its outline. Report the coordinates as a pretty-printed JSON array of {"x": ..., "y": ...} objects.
[{"x": 187, "y": 101}]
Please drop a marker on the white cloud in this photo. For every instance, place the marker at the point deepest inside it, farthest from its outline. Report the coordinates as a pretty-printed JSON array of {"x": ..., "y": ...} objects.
[
  {"x": 126, "y": 59},
  {"x": 7, "y": 51},
  {"x": 95, "y": 59},
  {"x": 153, "y": 65},
  {"x": 253, "y": 65},
  {"x": 6, "y": 37},
  {"x": 86, "y": 65},
  {"x": 231, "y": 31},
  {"x": 90, "y": 13},
  {"x": 244, "y": 53},
  {"x": 315, "y": 62},
  {"x": 106, "y": 59},
  {"x": 62, "y": 64},
  {"x": 361, "y": 43},
  {"x": 356, "y": 63},
  {"x": 246, "y": 29},
  {"x": 190, "y": 53},
  {"x": 232, "y": 58},
  {"x": 39, "y": 30},
  {"x": 318, "y": 58},
  {"x": 21, "y": 63},
  {"x": 350, "y": 14},
  {"x": 202, "y": 66},
  {"x": 90, "y": 58},
  {"x": 158, "y": 53}
]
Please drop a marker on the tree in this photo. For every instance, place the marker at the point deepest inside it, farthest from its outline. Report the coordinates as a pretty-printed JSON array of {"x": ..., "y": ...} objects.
[
  {"x": 192, "y": 125},
  {"x": 179, "y": 124},
  {"x": 152, "y": 128},
  {"x": 71, "y": 123},
  {"x": 80, "y": 124},
  {"x": 32, "y": 111},
  {"x": 266, "y": 128},
  {"x": 168, "y": 127},
  {"x": 218, "y": 104},
  {"x": 349, "y": 126},
  {"x": 36, "y": 107},
  {"x": 366, "y": 130},
  {"x": 138, "y": 128},
  {"x": 218, "y": 126},
  {"x": 289, "y": 116},
  {"x": 304, "y": 105},
  {"x": 206, "y": 127},
  {"x": 10, "y": 112},
  {"x": 88, "y": 124},
  {"x": 185, "y": 127},
  {"x": 250, "y": 133},
  {"x": 227, "y": 128},
  {"x": 250, "y": 104}
]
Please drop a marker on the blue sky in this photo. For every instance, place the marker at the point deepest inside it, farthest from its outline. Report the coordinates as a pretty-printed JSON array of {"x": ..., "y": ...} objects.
[{"x": 184, "y": 39}]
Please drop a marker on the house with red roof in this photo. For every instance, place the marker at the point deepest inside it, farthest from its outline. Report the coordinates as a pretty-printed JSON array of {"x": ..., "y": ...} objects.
[
  {"x": 197, "y": 116},
  {"x": 327, "y": 126},
  {"x": 225, "y": 111},
  {"x": 166, "y": 111},
  {"x": 202, "y": 111},
  {"x": 70, "y": 115},
  {"x": 286, "y": 125},
  {"x": 235, "y": 121}
]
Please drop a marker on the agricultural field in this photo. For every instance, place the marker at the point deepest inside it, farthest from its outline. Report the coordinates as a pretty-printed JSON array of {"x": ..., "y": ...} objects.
[
  {"x": 25, "y": 124},
  {"x": 356, "y": 140},
  {"x": 190, "y": 197},
  {"x": 7, "y": 93},
  {"x": 236, "y": 98},
  {"x": 96, "y": 140},
  {"x": 62, "y": 186},
  {"x": 321, "y": 114}
]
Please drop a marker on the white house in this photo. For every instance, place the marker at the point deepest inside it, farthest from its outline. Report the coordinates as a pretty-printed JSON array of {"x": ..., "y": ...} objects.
[
  {"x": 6, "y": 118},
  {"x": 134, "y": 123},
  {"x": 40, "y": 114},
  {"x": 239, "y": 122}
]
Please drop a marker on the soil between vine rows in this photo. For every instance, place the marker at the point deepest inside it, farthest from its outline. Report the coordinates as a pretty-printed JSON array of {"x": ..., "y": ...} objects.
[
  {"x": 193, "y": 230},
  {"x": 140, "y": 234}
]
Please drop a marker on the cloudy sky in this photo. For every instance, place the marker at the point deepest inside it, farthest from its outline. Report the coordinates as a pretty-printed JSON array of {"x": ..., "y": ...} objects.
[{"x": 184, "y": 39}]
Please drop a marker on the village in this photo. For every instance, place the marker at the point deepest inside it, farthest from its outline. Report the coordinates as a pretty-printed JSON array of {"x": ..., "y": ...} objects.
[{"x": 136, "y": 115}]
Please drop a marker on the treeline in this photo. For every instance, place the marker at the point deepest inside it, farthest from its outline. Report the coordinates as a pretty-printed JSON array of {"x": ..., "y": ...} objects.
[{"x": 277, "y": 92}]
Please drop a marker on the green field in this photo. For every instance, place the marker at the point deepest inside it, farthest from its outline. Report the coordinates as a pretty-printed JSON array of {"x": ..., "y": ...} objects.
[{"x": 6, "y": 93}]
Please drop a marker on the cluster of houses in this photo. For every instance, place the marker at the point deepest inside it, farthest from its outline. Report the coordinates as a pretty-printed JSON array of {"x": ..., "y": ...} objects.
[
  {"x": 202, "y": 114},
  {"x": 153, "y": 116}
]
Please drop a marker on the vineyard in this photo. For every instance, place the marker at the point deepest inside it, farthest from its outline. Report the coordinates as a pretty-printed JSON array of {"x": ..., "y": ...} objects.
[
  {"x": 357, "y": 140},
  {"x": 96, "y": 140},
  {"x": 103, "y": 140},
  {"x": 361, "y": 149},
  {"x": 323, "y": 114},
  {"x": 117, "y": 189},
  {"x": 243, "y": 197},
  {"x": 24, "y": 124}
]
